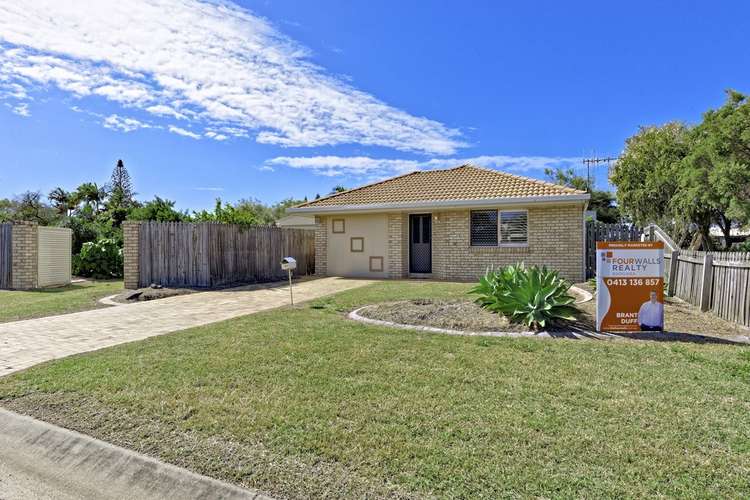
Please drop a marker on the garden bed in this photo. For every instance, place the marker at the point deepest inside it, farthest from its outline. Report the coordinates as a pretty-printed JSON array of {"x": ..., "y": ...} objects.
[
  {"x": 462, "y": 315},
  {"x": 455, "y": 314}
]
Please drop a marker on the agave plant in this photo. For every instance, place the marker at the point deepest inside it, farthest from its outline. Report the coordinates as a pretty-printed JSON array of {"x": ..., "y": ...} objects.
[{"x": 533, "y": 296}]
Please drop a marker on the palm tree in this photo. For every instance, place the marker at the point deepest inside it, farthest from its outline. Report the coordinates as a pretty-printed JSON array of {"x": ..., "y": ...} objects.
[
  {"x": 92, "y": 195},
  {"x": 62, "y": 200}
]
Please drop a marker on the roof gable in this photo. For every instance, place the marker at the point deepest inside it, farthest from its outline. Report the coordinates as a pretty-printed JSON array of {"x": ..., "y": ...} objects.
[{"x": 463, "y": 183}]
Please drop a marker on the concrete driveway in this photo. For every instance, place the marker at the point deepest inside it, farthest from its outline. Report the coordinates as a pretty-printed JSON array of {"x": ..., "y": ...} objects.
[{"x": 26, "y": 343}]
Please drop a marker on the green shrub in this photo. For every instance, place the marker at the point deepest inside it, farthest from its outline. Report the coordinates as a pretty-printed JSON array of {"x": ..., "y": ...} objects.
[
  {"x": 100, "y": 259},
  {"x": 529, "y": 295}
]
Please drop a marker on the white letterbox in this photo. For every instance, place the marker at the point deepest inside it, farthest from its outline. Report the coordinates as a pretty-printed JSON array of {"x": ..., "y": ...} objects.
[{"x": 288, "y": 264}]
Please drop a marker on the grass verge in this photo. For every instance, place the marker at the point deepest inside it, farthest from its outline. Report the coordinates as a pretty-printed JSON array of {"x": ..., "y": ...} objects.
[
  {"x": 304, "y": 403},
  {"x": 17, "y": 305}
]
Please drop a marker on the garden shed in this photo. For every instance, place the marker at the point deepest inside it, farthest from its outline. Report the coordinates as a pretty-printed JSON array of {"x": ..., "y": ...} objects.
[{"x": 33, "y": 256}]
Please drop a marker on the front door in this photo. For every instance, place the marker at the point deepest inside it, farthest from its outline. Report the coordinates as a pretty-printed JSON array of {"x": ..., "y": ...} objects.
[{"x": 420, "y": 243}]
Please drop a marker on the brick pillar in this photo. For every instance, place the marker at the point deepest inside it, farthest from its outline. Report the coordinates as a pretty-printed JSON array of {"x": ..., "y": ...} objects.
[
  {"x": 131, "y": 232},
  {"x": 396, "y": 246},
  {"x": 25, "y": 255},
  {"x": 321, "y": 246}
]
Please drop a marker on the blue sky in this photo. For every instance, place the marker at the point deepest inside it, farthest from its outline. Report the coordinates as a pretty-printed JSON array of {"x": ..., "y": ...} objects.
[{"x": 275, "y": 99}]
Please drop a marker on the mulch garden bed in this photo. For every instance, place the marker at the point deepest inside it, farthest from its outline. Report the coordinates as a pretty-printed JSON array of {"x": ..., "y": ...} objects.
[{"x": 683, "y": 321}]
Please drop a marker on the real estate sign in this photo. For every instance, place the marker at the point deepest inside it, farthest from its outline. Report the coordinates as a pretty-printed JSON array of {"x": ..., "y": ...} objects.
[{"x": 630, "y": 286}]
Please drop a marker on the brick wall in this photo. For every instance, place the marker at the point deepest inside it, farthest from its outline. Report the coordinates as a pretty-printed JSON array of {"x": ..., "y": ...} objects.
[
  {"x": 25, "y": 257},
  {"x": 131, "y": 232},
  {"x": 555, "y": 240},
  {"x": 321, "y": 246},
  {"x": 397, "y": 249}
]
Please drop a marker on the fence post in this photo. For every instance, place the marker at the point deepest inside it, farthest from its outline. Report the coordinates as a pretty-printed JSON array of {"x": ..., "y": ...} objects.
[
  {"x": 673, "y": 266},
  {"x": 708, "y": 272},
  {"x": 131, "y": 232}
]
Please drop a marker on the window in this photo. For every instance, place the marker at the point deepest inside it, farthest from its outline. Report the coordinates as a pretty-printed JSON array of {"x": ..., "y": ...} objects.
[
  {"x": 357, "y": 244},
  {"x": 484, "y": 228},
  {"x": 376, "y": 264},
  {"x": 338, "y": 226},
  {"x": 512, "y": 229}
]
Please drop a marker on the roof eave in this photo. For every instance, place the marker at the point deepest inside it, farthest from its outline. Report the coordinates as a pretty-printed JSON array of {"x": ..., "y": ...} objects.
[{"x": 443, "y": 204}]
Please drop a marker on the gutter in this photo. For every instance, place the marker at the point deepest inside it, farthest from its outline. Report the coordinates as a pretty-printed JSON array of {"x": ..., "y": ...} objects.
[{"x": 443, "y": 204}]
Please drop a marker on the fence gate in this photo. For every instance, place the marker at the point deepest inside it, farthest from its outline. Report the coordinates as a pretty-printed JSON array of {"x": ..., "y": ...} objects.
[
  {"x": 598, "y": 231},
  {"x": 6, "y": 264}
]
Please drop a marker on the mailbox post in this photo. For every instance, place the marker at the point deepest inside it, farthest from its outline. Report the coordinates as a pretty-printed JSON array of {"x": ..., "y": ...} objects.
[{"x": 289, "y": 264}]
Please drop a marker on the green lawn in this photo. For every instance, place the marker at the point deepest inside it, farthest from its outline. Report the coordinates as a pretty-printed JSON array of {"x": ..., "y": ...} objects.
[
  {"x": 304, "y": 403},
  {"x": 15, "y": 305}
]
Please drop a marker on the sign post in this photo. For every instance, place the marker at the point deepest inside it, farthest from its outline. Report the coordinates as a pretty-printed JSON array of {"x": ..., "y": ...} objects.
[{"x": 630, "y": 286}]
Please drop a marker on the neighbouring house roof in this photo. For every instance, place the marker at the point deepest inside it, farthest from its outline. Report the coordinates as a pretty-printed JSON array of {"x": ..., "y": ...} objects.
[{"x": 465, "y": 185}]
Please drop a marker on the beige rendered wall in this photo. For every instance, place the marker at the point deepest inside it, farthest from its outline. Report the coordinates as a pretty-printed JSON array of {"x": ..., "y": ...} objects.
[{"x": 341, "y": 261}]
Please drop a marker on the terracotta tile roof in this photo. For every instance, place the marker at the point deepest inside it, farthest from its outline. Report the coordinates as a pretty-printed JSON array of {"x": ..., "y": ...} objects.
[{"x": 466, "y": 182}]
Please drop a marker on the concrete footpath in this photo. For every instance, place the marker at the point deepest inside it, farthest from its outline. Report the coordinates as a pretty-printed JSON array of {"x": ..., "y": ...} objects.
[
  {"x": 27, "y": 343},
  {"x": 42, "y": 461}
]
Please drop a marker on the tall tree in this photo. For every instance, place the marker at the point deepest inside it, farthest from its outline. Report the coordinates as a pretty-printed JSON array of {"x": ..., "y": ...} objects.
[
  {"x": 603, "y": 202},
  {"x": 121, "y": 196},
  {"x": 120, "y": 183},
  {"x": 91, "y": 195},
  {"x": 647, "y": 173},
  {"x": 62, "y": 200},
  {"x": 715, "y": 175},
  {"x": 30, "y": 207}
]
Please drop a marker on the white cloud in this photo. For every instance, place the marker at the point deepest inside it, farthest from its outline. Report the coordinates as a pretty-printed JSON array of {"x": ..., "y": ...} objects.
[
  {"x": 183, "y": 132},
  {"x": 267, "y": 168},
  {"x": 21, "y": 109},
  {"x": 230, "y": 69},
  {"x": 123, "y": 123},
  {"x": 374, "y": 168},
  {"x": 215, "y": 136}
]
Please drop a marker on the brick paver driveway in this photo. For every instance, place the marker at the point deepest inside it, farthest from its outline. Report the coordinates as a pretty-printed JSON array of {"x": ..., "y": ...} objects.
[{"x": 26, "y": 343}]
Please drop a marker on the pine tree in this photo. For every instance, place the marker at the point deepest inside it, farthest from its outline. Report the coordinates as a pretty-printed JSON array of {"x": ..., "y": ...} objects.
[
  {"x": 121, "y": 195},
  {"x": 120, "y": 185}
]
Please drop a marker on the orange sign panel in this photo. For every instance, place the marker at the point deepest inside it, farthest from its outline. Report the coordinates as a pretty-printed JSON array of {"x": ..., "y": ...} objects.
[{"x": 630, "y": 286}]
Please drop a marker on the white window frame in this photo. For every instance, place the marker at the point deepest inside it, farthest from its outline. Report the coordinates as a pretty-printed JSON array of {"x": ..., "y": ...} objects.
[
  {"x": 500, "y": 243},
  {"x": 499, "y": 234}
]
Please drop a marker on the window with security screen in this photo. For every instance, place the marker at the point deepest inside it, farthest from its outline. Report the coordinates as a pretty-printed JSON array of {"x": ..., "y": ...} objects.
[
  {"x": 484, "y": 228},
  {"x": 514, "y": 227},
  {"x": 491, "y": 228}
]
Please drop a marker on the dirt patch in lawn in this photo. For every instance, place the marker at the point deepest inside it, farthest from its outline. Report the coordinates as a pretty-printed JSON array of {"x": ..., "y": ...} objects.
[{"x": 442, "y": 313}]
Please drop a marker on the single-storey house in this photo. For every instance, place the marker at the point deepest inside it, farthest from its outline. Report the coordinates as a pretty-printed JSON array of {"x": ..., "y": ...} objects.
[{"x": 448, "y": 224}]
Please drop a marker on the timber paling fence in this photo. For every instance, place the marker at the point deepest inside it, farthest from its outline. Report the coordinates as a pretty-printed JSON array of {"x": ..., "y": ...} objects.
[
  {"x": 206, "y": 254},
  {"x": 715, "y": 281},
  {"x": 6, "y": 255}
]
